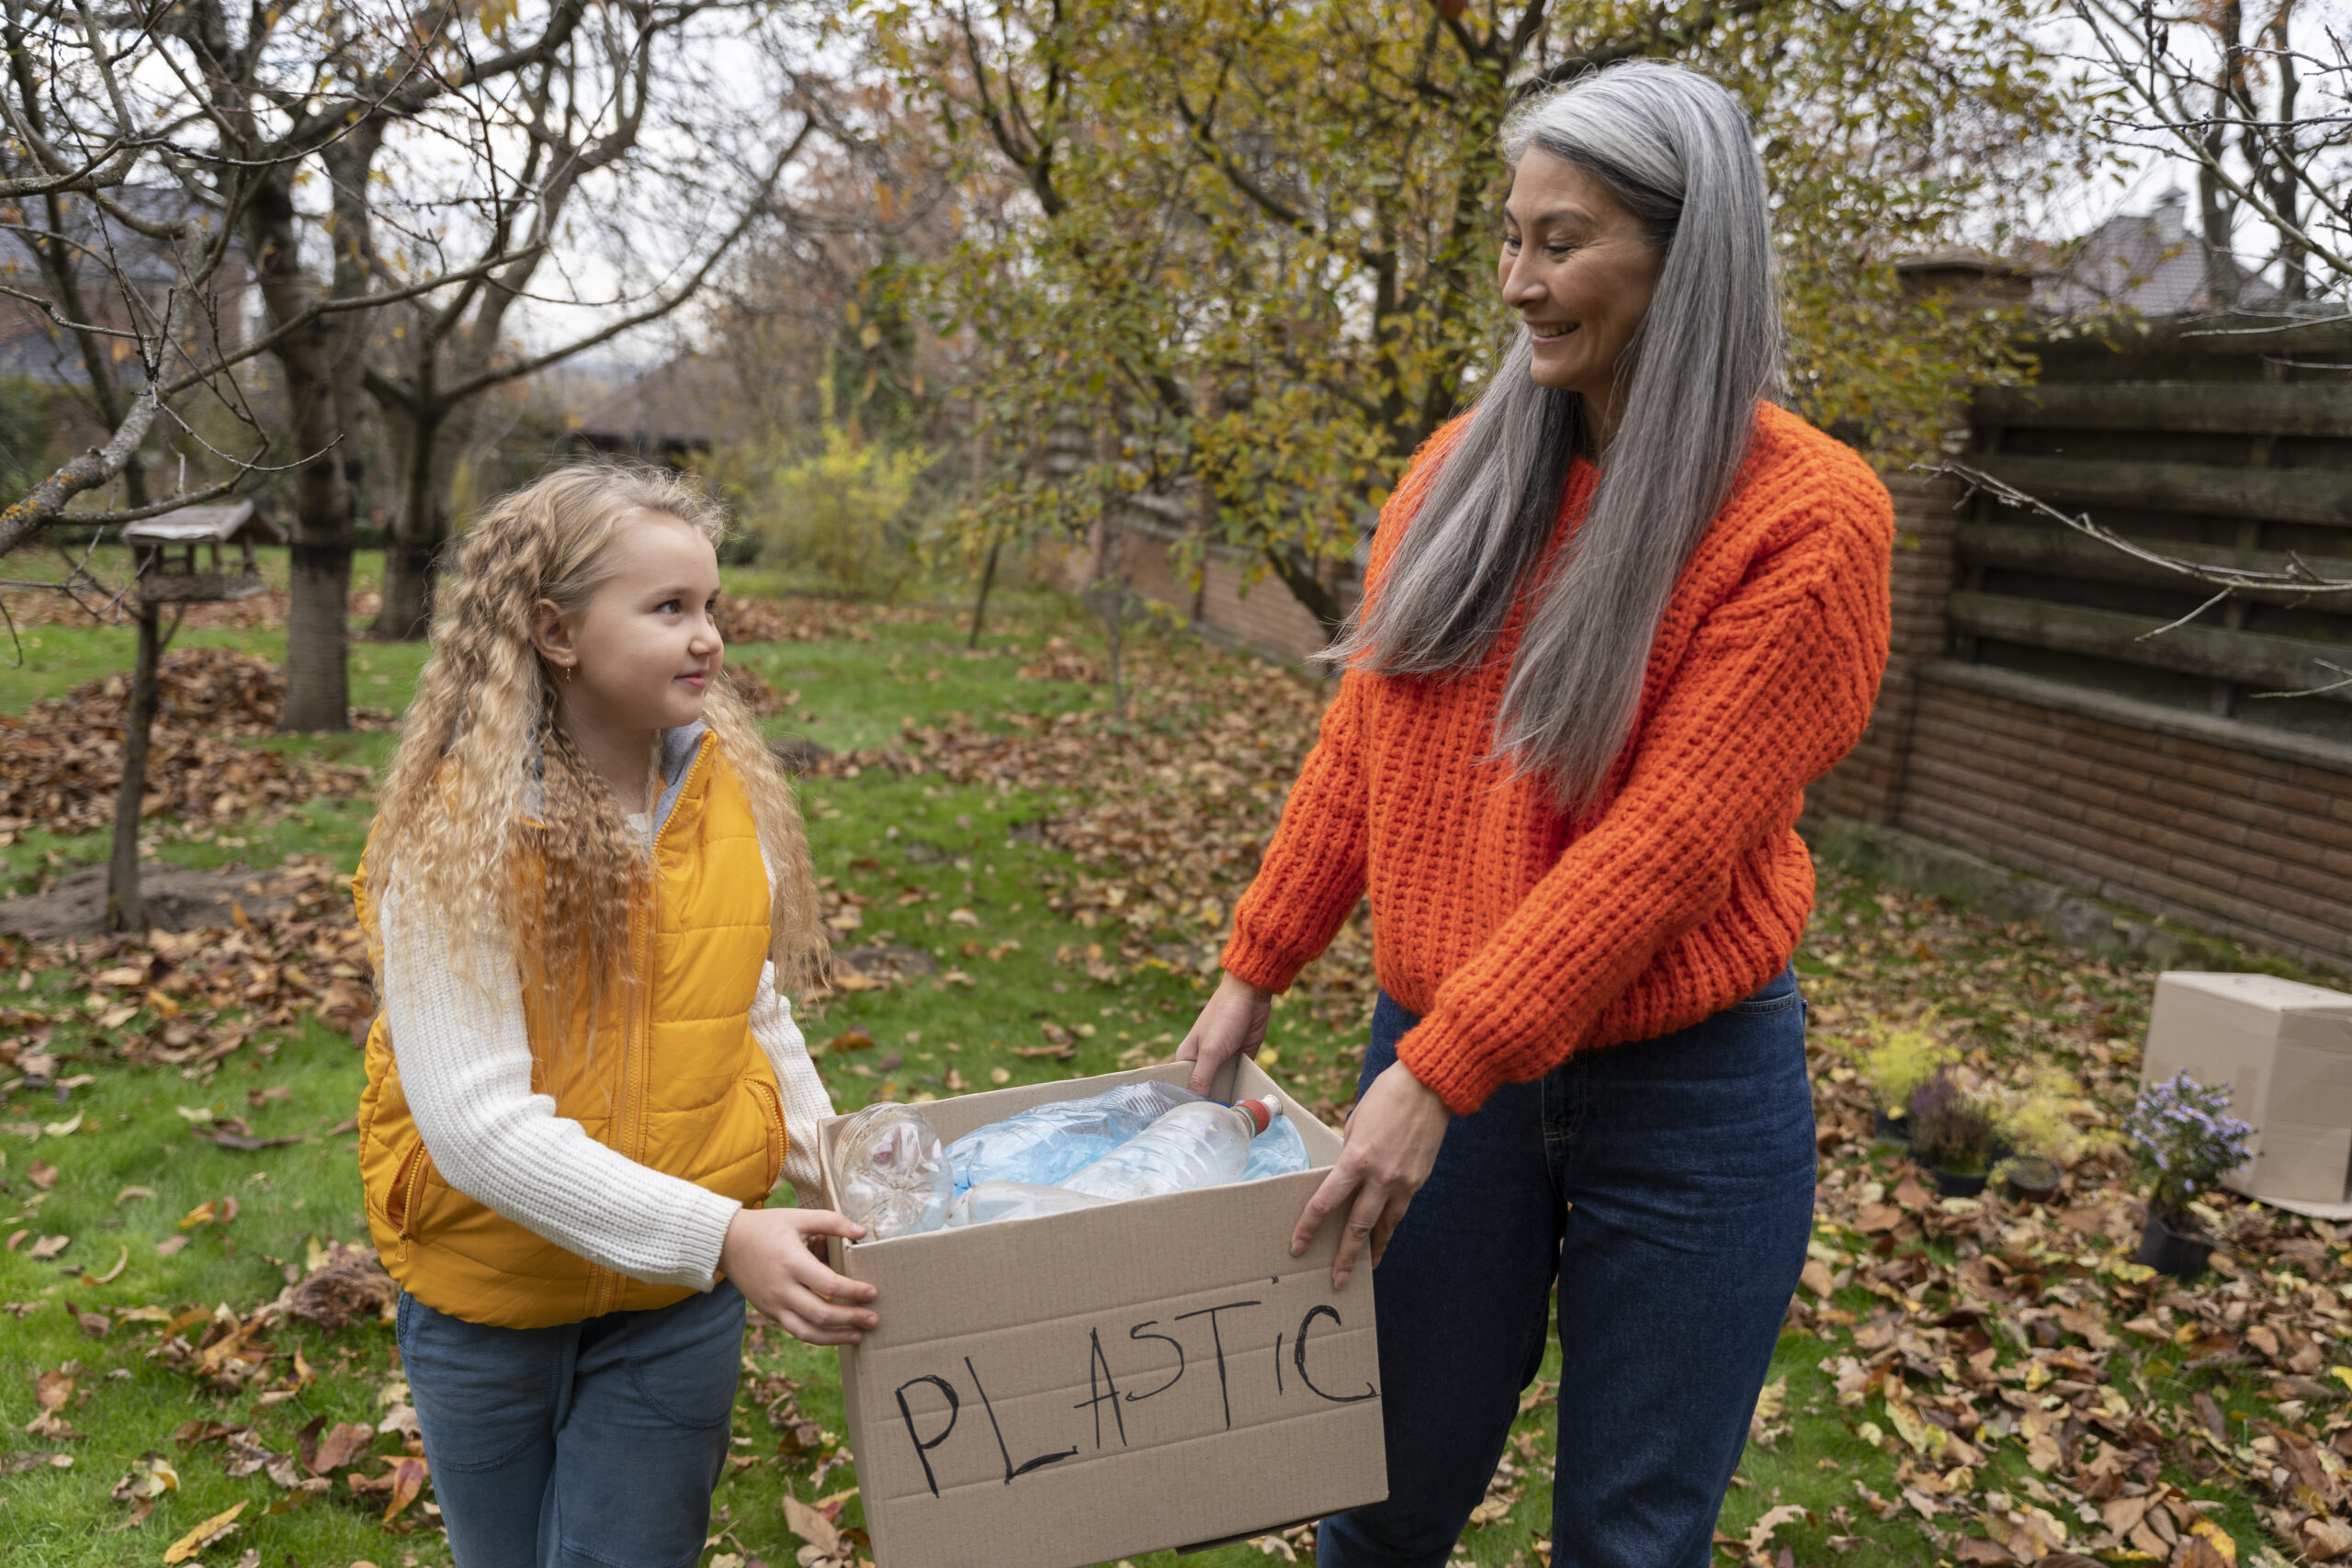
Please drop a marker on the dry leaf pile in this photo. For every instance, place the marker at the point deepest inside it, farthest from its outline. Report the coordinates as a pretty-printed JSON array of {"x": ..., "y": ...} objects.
[
  {"x": 1993, "y": 1331},
  {"x": 324, "y": 1451},
  {"x": 751, "y": 618},
  {"x": 761, "y": 699},
  {"x": 267, "y": 609},
  {"x": 230, "y": 1355},
  {"x": 1058, "y": 661},
  {"x": 188, "y": 999},
  {"x": 61, "y": 762},
  {"x": 826, "y": 1543}
]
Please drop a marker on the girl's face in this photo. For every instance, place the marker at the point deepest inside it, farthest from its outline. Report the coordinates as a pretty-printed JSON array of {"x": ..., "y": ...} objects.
[
  {"x": 644, "y": 649},
  {"x": 1580, "y": 271}
]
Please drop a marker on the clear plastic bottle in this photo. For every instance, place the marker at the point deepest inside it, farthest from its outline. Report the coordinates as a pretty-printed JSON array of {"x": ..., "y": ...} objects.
[
  {"x": 1277, "y": 1151},
  {"x": 1202, "y": 1145},
  {"x": 894, "y": 1176},
  {"x": 986, "y": 1202},
  {"x": 1046, "y": 1143}
]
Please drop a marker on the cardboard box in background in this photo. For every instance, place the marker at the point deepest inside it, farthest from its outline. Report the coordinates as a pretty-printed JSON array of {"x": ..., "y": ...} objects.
[
  {"x": 2285, "y": 1050},
  {"x": 1071, "y": 1389}
]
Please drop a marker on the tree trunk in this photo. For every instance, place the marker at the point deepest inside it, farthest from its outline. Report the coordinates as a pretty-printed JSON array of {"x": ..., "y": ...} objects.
[
  {"x": 318, "y": 615},
  {"x": 318, "y": 610},
  {"x": 2217, "y": 209},
  {"x": 407, "y": 613},
  {"x": 1114, "y": 606},
  {"x": 125, "y": 910},
  {"x": 981, "y": 605},
  {"x": 420, "y": 528},
  {"x": 318, "y": 637},
  {"x": 1298, "y": 575},
  {"x": 317, "y": 688}
]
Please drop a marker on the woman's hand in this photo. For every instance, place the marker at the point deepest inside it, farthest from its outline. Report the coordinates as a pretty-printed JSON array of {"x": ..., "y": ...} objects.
[
  {"x": 1393, "y": 1138},
  {"x": 772, "y": 1256},
  {"x": 1232, "y": 1024}
]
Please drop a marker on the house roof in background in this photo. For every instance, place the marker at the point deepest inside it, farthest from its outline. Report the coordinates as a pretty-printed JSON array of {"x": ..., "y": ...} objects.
[
  {"x": 34, "y": 348},
  {"x": 2149, "y": 262},
  {"x": 680, "y": 404},
  {"x": 110, "y": 244}
]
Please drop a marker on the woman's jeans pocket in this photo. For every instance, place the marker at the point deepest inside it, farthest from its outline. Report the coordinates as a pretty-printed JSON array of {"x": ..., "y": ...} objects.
[{"x": 1779, "y": 993}]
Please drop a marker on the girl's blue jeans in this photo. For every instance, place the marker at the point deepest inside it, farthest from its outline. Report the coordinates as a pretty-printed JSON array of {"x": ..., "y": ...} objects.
[
  {"x": 1666, "y": 1187},
  {"x": 591, "y": 1443}
]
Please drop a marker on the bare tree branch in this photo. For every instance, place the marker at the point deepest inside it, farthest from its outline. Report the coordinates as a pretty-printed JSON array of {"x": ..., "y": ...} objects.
[{"x": 2297, "y": 578}]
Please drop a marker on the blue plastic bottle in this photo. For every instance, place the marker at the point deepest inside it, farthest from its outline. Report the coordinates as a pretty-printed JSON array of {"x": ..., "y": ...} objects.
[
  {"x": 1046, "y": 1144},
  {"x": 1277, "y": 1151},
  {"x": 1192, "y": 1146}
]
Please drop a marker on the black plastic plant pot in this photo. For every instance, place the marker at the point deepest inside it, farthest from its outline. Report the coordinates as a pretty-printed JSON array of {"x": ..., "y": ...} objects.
[
  {"x": 2168, "y": 1251},
  {"x": 1954, "y": 1184},
  {"x": 1893, "y": 1129},
  {"x": 2032, "y": 1179}
]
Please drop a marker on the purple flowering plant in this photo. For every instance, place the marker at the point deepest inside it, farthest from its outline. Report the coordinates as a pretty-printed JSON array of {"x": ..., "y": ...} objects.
[
  {"x": 2187, "y": 1141},
  {"x": 1952, "y": 1130}
]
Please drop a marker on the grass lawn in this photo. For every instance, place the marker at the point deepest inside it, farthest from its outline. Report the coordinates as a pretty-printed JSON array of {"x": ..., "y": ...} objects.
[{"x": 1041, "y": 940}]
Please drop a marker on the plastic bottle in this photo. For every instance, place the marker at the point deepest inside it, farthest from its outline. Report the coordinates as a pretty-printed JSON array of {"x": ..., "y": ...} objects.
[
  {"x": 1202, "y": 1145},
  {"x": 1277, "y": 1151},
  {"x": 986, "y": 1202},
  {"x": 893, "y": 1174},
  {"x": 1046, "y": 1143}
]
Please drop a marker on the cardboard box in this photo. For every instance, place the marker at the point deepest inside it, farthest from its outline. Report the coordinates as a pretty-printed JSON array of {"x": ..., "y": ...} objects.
[
  {"x": 1071, "y": 1389},
  {"x": 2285, "y": 1051}
]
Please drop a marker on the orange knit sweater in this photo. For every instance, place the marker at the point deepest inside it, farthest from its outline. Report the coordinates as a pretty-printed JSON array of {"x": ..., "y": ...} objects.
[{"x": 1521, "y": 936}]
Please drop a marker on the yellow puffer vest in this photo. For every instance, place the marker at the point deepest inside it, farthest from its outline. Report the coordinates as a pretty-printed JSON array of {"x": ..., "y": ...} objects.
[{"x": 672, "y": 1079}]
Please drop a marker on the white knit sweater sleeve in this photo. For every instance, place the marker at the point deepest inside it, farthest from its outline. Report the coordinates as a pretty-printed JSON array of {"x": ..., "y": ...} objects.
[
  {"x": 465, "y": 1065},
  {"x": 805, "y": 1103}
]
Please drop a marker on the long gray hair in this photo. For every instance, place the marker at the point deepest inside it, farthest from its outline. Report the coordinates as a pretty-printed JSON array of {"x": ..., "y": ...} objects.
[{"x": 1673, "y": 146}]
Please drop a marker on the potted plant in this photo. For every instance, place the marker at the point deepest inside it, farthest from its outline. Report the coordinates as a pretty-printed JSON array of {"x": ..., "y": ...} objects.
[
  {"x": 1953, "y": 1134},
  {"x": 2042, "y": 1140},
  {"x": 1901, "y": 1060},
  {"x": 2185, "y": 1140},
  {"x": 2031, "y": 1178}
]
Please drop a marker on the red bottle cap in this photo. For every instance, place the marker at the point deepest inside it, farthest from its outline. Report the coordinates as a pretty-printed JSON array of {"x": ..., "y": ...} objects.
[{"x": 1258, "y": 1111}]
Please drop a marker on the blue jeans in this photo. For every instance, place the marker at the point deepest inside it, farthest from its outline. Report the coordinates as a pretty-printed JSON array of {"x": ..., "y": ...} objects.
[
  {"x": 1667, "y": 1185},
  {"x": 591, "y": 1443}
]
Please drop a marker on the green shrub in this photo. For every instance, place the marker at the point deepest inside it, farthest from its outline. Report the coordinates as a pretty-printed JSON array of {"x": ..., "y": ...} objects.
[
  {"x": 1903, "y": 1060},
  {"x": 2037, "y": 1117},
  {"x": 842, "y": 516}
]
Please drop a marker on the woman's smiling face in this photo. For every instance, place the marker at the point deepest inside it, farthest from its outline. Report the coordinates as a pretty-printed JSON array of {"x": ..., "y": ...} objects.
[{"x": 1580, "y": 270}]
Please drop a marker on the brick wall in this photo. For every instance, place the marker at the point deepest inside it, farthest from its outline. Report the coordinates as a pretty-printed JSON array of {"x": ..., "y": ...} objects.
[
  {"x": 1868, "y": 786},
  {"x": 1264, "y": 616},
  {"x": 2237, "y": 830},
  {"x": 2137, "y": 807}
]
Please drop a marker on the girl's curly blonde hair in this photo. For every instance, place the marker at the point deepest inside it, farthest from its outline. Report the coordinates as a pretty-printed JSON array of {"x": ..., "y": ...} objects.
[{"x": 487, "y": 782}]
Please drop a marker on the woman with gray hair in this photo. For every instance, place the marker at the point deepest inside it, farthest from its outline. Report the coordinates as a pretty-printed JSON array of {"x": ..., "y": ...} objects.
[{"x": 1617, "y": 617}]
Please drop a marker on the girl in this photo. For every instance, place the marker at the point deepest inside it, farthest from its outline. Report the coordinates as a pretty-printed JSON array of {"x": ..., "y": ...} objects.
[{"x": 586, "y": 893}]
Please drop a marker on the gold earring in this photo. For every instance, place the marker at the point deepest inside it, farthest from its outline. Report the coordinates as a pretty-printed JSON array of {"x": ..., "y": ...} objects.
[{"x": 567, "y": 674}]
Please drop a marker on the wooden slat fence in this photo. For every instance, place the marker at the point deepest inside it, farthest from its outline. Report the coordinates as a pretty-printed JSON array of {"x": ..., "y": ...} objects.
[{"x": 2045, "y": 711}]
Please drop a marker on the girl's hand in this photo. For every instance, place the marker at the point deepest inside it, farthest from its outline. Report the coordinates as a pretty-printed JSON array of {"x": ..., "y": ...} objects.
[
  {"x": 1393, "y": 1138},
  {"x": 772, "y": 1256},
  {"x": 1232, "y": 1024}
]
